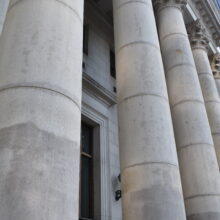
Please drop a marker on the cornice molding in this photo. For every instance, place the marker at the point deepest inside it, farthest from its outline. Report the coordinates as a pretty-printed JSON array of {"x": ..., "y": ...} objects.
[
  {"x": 210, "y": 16},
  {"x": 100, "y": 93},
  {"x": 198, "y": 36},
  {"x": 216, "y": 66}
]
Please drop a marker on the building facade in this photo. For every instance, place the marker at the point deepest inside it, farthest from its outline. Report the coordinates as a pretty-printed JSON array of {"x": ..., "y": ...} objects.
[{"x": 110, "y": 109}]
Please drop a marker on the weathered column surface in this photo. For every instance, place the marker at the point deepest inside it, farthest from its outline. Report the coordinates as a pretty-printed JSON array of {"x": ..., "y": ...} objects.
[
  {"x": 40, "y": 96},
  {"x": 216, "y": 70},
  {"x": 151, "y": 183},
  {"x": 199, "y": 44},
  {"x": 197, "y": 158}
]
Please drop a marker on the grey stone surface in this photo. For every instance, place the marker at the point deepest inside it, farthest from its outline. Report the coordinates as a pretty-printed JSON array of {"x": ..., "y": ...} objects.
[
  {"x": 199, "y": 43},
  {"x": 205, "y": 216},
  {"x": 3, "y": 10},
  {"x": 109, "y": 167},
  {"x": 197, "y": 158},
  {"x": 35, "y": 167},
  {"x": 40, "y": 113},
  {"x": 217, "y": 81},
  {"x": 37, "y": 116},
  {"x": 215, "y": 64},
  {"x": 101, "y": 41},
  {"x": 151, "y": 183}
]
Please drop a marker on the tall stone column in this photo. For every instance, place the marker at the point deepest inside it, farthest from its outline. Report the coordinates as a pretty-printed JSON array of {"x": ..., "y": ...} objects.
[
  {"x": 197, "y": 158},
  {"x": 216, "y": 70},
  {"x": 199, "y": 43},
  {"x": 40, "y": 96},
  {"x": 151, "y": 186}
]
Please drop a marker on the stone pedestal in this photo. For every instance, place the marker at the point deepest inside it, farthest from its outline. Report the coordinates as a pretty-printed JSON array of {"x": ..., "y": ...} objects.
[
  {"x": 40, "y": 96},
  {"x": 197, "y": 157},
  {"x": 199, "y": 43},
  {"x": 151, "y": 183}
]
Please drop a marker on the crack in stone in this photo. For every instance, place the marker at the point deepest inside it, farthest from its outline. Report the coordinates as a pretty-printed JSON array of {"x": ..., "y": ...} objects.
[
  {"x": 138, "y": 42},
  {"x": 42, "y": 88},
  {"x": 130, "y": 2},
  {"x": 173, "y": 34},
  {"x": 202, "y": 195},
  {"x": 181, "y": 64},
  {"x": 141, "y": 95},
  {"x": 194, "y": 145},
  {"x": 150, "y": 163},
  {"x": 185, "y": 101}
]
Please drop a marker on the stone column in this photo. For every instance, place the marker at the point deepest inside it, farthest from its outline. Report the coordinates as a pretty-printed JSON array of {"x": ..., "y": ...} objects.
[
  {"x": 40, "y": 96},
  {"x": 197, "y": 158},
  {"x": 199, "y": 43},
  {"x": 216, "y": 70},
  {"x": 151, "y": 186}
]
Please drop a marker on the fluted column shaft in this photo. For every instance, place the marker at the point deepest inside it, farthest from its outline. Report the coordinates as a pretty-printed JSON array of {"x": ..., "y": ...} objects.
[
  {"x": 40, "y": 96},
  {"x": 198, "y": 162},
  {"x": 199, "y": 44},
  {"x": 151, "y": 183}
]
